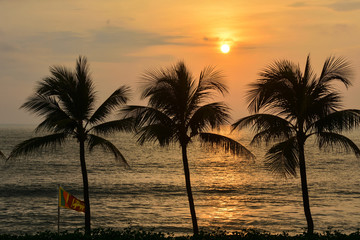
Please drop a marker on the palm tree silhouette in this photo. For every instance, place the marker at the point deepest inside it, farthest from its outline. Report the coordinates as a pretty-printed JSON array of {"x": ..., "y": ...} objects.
[
  {"x": 66, "y": 100},
  {"x": 177, "y": 112},
  {"x": 295, "y": 107}
]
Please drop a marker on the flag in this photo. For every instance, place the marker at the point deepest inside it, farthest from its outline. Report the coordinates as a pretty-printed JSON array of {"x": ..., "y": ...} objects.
[{"x": 66, "y": 200}]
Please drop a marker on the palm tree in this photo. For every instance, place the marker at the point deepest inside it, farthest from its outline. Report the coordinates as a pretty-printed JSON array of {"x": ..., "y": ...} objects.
[
  {"x": 177, "y": 112},
  {"x": 66, "y": 101},
  {"x": 296, "y": 106}
]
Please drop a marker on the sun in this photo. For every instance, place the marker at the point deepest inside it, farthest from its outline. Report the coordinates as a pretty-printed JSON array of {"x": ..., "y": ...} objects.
[{"x": 225, "y": 48}]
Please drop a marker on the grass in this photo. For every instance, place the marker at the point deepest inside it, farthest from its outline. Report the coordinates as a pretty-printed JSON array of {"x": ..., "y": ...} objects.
[{"x": 136, "y": 234}]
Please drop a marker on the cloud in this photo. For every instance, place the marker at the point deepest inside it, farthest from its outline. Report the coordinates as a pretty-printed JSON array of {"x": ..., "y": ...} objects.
[
  {"x": 298, "y": 4},
  {"x": 115, "y": 43},
  {"x": 132, "y": 38},
  {"x": 6, "y": 47},
  {"x": 343, "y": 6},
  {"x": 340, "y": 6},
  {"x": 120, "y": 44},
  {"x": 333, "y": 30},
  {"x": 57, "y": 42},
  {"x": 210, "y": 39}
]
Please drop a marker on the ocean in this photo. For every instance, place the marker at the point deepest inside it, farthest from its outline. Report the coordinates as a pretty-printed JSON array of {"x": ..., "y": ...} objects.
[{"x": 230, "y": 193}]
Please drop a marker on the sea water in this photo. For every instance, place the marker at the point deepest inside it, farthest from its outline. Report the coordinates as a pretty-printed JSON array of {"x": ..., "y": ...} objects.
[{"x": 230, "y": 193}]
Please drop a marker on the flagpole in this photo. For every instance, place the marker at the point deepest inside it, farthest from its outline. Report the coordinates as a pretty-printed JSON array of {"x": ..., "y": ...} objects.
[{"x": 58, "y": 189}]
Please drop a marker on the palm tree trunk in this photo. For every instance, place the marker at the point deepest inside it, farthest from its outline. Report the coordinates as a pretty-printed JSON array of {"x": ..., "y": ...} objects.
[
  {"x": 189, "y": 191},
  {"x": 86, "y": 188},
  {"x": 304, "y": 188}
]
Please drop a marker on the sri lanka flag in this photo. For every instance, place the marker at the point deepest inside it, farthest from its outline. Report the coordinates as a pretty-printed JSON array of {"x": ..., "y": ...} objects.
[{"x": 66, "y": 200}]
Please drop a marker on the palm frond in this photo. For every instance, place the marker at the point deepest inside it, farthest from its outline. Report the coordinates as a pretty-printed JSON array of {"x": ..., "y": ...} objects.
[
  {"x": 339, "y": 121},
  {"x": 268, "y": 136},
  {"x": 56, "y": 119},
  {"x": 336, "y": 69},
  {"x": 37, "y": 144},
  {"x": 308, "y": 72},
  {"x": 209, "y": 116},
  {"x": 122, "y": 125},
  {"x": 82, "y": 100},
  {"x": 209, "y": 83},
  {"x": 320, "y": 105},
  {"x": 143, "y": 115},
  {"x": 96, "y": 141},
  {"x": 211, "y": 79},
  {"x": 261, "y": 121},
  {"x": 163, "y": 134},
  {"x": 266, "y": 126},
  {"x": 169, "y": 90},
  {"x": 54, "y": 85},
  {"x": 282, "y": 158},
  {"x": 156, "y": 80},
  {"x": 331, "y": 140},
  {"x": 2, "y": 155},
  {"x": 117, "y": 98},
  {"x": 73, "y": 91},
  {"x": 62, "y": 86},
  {"x": 41, "y": 105},
  {"x": 163, "y": 91},
  {"x": 229, "y": 145},
  {"x": 268, "y": 91},
  {"x": 57, "y": 125},
  {"x": 151, "y": 124}
]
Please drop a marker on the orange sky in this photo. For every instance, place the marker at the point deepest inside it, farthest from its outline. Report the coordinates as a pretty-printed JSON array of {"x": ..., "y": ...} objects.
[{"x": 123, "y": 38}]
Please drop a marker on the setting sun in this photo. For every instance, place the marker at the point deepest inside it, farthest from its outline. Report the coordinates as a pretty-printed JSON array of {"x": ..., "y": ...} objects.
[{"x": 225, "y": 48}]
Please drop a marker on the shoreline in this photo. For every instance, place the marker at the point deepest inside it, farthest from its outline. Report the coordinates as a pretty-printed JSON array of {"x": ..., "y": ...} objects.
[{"x": 139, "y": 233}]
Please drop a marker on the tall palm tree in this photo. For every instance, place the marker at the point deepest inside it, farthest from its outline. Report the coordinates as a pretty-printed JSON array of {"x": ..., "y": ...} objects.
[
  {"x": 290, "y": 106},
  {"x": 66, "y": 101},
  {"x": 177, "y": 111}
]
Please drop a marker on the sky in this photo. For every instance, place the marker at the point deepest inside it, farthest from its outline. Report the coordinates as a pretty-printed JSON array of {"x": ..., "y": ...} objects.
[{"x": 122, "y": 39}]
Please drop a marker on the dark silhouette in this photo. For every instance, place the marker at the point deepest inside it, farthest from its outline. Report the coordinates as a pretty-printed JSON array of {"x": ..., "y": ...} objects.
[
  {"x": 2, "y": 156},
  {"x": 66, "y": 100},
  {"x": 177, "y": 112},
  {"x": 297, "y": 105}
]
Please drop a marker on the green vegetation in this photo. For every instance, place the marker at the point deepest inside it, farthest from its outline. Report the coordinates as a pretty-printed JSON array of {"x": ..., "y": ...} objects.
[
  {"x": 66, "y": 101},
  {"x": 297, "y": 105},
  {"x": 178, "y": 111},
  {"x": 132, "y": 234}
]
